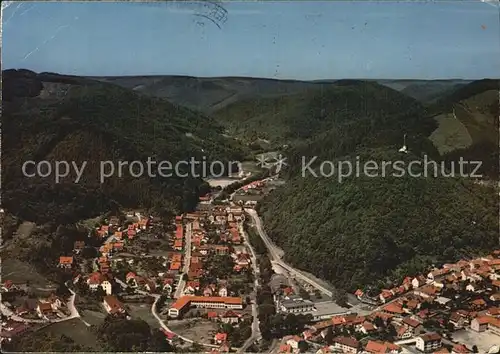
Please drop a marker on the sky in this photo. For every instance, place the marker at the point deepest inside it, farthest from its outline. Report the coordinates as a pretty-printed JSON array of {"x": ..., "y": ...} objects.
[{"x": 305, "y": 40}]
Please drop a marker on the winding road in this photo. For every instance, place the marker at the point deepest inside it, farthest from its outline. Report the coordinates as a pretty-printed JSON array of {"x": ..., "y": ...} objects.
[{"x": 276, "y": 255}]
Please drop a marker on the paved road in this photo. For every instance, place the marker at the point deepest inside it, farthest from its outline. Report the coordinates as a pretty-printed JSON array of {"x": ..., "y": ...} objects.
[
  {"x": 276, "y": 255},
  {"x": 187, "y": 262},
  {"x": 256, "y": 335},
  {"x": 165, "y": 327}
]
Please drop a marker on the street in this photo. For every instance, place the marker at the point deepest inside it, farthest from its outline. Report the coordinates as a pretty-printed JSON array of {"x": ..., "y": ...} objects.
[
  {"x": 276, "y": 254},
  {"x": 256, "y": 335},
  {"x": 187, "y": 262}
]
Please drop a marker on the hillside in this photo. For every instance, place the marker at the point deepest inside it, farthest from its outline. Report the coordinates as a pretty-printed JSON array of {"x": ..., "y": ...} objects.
[
  {"x": 468, "y": 125},
  {"x": 362, "y": 229},
  {"x": 430, "y": 91},
  {"x": 295, "y": 118},
  {"x": 60, "y": 118},
  {"x": 373, "y": 230},
  {"x": 207, "y": 94}
]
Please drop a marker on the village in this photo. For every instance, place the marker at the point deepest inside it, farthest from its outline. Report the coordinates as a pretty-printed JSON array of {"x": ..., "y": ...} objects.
[
  {"x": 198, "y": 279},
  {"x": 452, "y": 309}
]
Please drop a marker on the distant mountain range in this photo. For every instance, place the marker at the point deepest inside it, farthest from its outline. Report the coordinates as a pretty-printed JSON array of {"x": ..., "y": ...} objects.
[{"x": 210, "y": 94}]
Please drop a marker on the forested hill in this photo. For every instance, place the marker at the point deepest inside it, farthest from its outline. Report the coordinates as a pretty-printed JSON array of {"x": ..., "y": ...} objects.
[
  {"x": 295, "y": 118},
  {"x": 63, "y": 118},
  {"x": 371, "y": 230}
]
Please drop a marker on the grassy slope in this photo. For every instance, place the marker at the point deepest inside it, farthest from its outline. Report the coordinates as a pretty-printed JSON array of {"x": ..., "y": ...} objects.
[
  {"x": 476, "y": 137},
  {"x": 96, "y": 122}
]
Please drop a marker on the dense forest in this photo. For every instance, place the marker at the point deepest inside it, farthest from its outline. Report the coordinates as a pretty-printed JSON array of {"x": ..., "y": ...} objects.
[
  {"x": 59, "y": 118},
  {"x": 374, "y": 230}
]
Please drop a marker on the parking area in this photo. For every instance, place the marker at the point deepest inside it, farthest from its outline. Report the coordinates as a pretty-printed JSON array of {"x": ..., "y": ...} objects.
[{"x": 483, "y": 340}]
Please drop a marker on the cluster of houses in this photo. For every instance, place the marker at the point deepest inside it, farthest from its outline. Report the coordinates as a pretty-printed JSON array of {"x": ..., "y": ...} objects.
[
  {"x": 225, "y": 225},
  {"x": 213, "y": 231},
  {"x": 116, "y": 236},
  {"x": 20, "y": 312},
  {"x": 463, "y": 295},
  {"x": 28, "y": 309}
]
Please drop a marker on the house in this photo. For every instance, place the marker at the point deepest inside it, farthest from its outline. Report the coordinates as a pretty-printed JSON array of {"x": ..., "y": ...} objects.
[
  {"x": 480, "y": 324},
  {"x": 175, "y": 266},
  {"x": 220, "y": 338},
  {"x": 495, "y": 297},
  {"x": 324, "y": 350},
  {"x": 428, "y": 342},
  {"x": 403, "y": 332},
  {"x": 44, "y": 309},
  {"x": 223, "y": 292},
  {"x": 346, "y": 344},
  {"x": 442, "y": 300},
  {"x": 230, "y": 317},
  {"x": 212, "y": 315},
  {"x": 8, "y": 285},
  {"x": 457, "y": 320},
  {"x": 366, "y": 327},
  {"x": 208, "y": 291},
  {"x": 150, "y": 285},
  {"x": 418, "y": 282},
  {"x": 191, "y": 287},
  {"x": 178, "y": 245},
  {"x": 167, "y": 285},
  {"x": 437, "y": 274},
  {"x": 131, "y": 280},
  {"x": 478, "y": 304},
  {"x": 386, "y": 295},
  {"x": 11, "y": 329},
  {"x": 395, "y": 308},
  {"x": 65, "y": 262},
  {"x": 460, "y": 349},
  {"x": 78, "y": 246},
  {"x": 413, "y": 325},
  {"x": 427, "y": 291},
  {"x": 55, "y": 302},
  {"x": 113, "y": 305},
  {"x": 285, "y": 348},
  {"x": 96, "y": 280},
  {"x": 293, "y": 342},
  {"x": 377, "y": 347}
]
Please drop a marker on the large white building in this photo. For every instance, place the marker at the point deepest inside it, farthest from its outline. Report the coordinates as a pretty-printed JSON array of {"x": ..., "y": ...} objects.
[{"x": 208, "y": 302}]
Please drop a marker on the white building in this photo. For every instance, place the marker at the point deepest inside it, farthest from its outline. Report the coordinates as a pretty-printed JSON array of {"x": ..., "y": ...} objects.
[{"x": 428, "y": 342}]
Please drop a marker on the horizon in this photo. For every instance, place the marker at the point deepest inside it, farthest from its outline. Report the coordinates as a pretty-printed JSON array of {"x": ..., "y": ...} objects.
[
  {"x": 295, "y": 41},
  {"x": 250, "y": 77}
]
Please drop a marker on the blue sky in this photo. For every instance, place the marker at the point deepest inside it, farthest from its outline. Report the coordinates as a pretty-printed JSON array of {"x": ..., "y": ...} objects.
[{"x": 296, "y": 40}]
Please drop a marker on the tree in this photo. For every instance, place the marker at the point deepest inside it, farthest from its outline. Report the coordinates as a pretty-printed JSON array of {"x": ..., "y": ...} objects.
[
  {"x": 303, "y": 346},
  {"x": 120, "y": 334},
  {"x": 340, "y": 297},
  {"x": 89, "y": 252},
  {"x": 379, "y": 322},
  {"x": 158, "y": 343},
  {"x": 329, "y": 336},
  {"x": 62, "y": 290}
]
